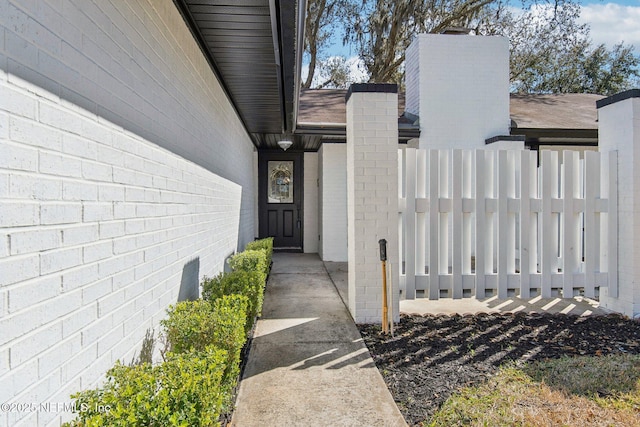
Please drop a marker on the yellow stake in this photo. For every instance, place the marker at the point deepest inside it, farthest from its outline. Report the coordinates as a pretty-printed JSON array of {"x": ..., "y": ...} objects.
[{"x": 385, "y": 318}]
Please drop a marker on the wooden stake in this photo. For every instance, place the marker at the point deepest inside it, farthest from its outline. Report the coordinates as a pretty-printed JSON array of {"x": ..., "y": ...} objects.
[
  {"x": 385, "y": 317},
  {"x": 390, "y": 320}
]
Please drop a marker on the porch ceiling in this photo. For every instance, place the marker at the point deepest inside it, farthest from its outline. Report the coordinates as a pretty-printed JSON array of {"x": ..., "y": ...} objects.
[{"x": 254, "y": 46}]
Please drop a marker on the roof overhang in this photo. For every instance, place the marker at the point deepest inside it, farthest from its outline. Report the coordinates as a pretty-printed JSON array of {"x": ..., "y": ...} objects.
[
  {"x": 255, "y": 49},
  {"x": 534, "y": 137},
  {"x": 322, "y": 119},
  {"x": 338, "y": 132}
]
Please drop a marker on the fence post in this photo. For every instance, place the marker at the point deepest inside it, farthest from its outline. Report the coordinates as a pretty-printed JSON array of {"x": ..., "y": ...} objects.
[
  {"x": 372, "y": 196},
  {"x": 619, "y": 130}
]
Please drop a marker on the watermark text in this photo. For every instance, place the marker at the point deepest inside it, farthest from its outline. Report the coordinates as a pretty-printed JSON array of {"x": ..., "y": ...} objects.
[{"x": 52, "y": 407}]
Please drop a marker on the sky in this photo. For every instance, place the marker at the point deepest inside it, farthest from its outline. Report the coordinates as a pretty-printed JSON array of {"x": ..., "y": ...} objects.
[{"x": 611, "y": 22}]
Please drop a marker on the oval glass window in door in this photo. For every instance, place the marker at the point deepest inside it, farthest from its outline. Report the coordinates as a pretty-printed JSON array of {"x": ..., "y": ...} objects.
[{"x": 280, "y": 186}]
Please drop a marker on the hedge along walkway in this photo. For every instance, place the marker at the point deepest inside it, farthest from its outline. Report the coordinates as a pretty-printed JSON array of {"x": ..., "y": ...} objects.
[{"x": 308, "y": 365}]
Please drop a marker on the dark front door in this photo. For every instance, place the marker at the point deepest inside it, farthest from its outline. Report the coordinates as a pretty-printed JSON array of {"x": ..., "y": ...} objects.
[{"x": 280, "y": 198}]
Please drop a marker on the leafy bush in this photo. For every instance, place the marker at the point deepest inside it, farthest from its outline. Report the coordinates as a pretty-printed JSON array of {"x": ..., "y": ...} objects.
[
  {"x": 247, "y": 283},
  {"x": 251, "y": 260},
  {"x": 229, "y": 316},
  {"x": 189, "y": 326},
  {"x": 266, "y": 244},
  {"x": 195, "y": 325},
  {"x": 195, "y": 383},
  {"x": 183, "y": 391}
]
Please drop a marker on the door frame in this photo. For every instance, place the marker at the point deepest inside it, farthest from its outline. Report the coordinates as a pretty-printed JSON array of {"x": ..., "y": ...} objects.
[{"x": 264, "y": 156}]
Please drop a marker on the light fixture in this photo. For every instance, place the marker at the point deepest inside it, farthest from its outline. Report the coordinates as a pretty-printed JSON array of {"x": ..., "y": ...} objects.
[{"x": 285, "y": 144}]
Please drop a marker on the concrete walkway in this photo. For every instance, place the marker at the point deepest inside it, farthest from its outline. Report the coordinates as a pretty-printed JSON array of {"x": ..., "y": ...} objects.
[{"x": 308, "y": 365}]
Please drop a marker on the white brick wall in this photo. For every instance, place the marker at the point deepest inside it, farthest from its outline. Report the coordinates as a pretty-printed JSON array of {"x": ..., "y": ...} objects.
[
  {"x": 311, "y": 184},
  {"x": 460, "y": 105},
  {"x": 412, "y": 78},
  {"x": 619, "y": 129},
  {"x": 121, "y": 163},
  {"x": 372, "y": 200},
  {"x": 333, "y": 202}
]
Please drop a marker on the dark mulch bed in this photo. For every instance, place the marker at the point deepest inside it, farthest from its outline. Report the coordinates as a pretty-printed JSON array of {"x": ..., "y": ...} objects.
[{"x": 433, "y": 356}]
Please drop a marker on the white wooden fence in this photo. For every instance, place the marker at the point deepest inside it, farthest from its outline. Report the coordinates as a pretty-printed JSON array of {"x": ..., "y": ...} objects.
[{"x": 488, "y": 222}]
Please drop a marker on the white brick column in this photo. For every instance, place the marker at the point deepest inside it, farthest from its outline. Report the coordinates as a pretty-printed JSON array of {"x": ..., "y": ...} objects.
[
  {"x": 619, "y": 129},
  {"x": 372, "y": 197}
]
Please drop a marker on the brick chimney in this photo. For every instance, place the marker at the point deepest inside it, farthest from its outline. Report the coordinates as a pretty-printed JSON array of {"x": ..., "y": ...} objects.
[{"x": 458, "y": 84}]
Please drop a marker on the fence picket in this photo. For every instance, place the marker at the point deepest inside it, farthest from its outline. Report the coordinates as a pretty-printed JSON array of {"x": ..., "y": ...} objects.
[
  {"x": 434, "y": 216},
  {"x": 527, "y": 235},
  {"x": 591, "y": 220},
  {"x": 612, "y": 219},
  {"x": 546, "y": 227},
  {"x": 422, "y": 207},
  {"x": 480, "y": 291},
  {"x": 503, "y": 231},
  {"x": 570, "y": 219},
  {"x": 410, "y": 222},
  {"x": 458, "y": 243}
]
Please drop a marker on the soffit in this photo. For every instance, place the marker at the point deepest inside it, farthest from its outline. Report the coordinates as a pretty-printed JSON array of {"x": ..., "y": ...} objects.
[{"x": 252, "y": 47}]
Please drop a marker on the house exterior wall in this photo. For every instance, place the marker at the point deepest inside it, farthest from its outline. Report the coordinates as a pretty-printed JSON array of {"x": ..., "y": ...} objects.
[
  {"x": 256, "y": 203},
  {"x": 459, "y": 87},
  {"x": 332, "y": 196},
  {"x": 125, "y": 176},
  {"x": 311, "y": 211},
  {"x": 619, "y": 129}
]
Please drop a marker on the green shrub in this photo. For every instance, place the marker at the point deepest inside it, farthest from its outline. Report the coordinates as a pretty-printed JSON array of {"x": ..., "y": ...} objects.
[
  {"x": 251, "y": 260},
  {"x": 195, "y": 325},
  {"x": 189, "y": 326},
  {"x": 183, "y": 391},
  {"x": 247, "y": 283},
  {"x": 229, "y": 316},
  {"x": 266, "y": 244},
  {"x": 191, "y": 388}
]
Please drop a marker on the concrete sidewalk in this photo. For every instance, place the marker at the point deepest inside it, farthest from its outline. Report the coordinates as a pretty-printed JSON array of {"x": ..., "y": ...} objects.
[{"x": 308, "y": 365}]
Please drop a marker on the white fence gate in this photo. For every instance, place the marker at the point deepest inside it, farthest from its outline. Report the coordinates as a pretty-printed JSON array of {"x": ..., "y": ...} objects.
[{"x": 488, "y": 222}]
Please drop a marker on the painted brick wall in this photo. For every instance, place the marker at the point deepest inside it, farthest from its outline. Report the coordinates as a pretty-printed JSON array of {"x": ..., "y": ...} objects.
[
  {"x": 459, "y": 86},
  {"x": 125, "y": 176},
  {"x": 333, "y": 202},
  {"x": 412, "y": 78},
  {"x": 134, "y": 64},
  {"x": 619, "y": 129},
  {"x": 311, "y": 183},
  {"x": 372, "y": 200}
]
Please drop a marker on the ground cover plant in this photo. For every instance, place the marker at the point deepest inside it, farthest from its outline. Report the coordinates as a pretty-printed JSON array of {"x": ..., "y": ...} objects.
[{"x": 518, "y": 369}]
